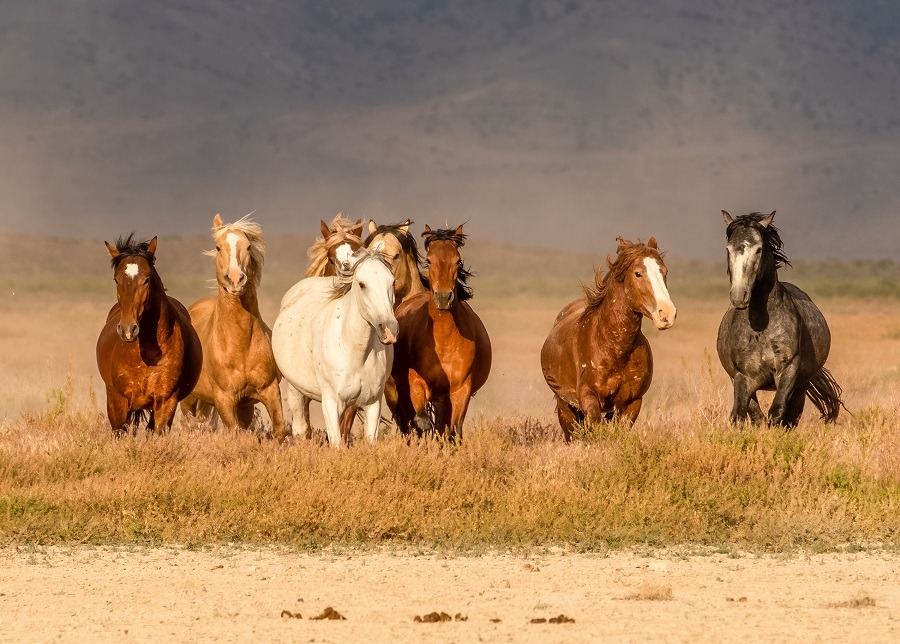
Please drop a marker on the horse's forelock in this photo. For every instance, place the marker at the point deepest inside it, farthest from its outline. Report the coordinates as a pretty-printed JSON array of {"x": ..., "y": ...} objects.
[
  {"x": 771, "y": 236},
  {"x": 129, "y": 247}
]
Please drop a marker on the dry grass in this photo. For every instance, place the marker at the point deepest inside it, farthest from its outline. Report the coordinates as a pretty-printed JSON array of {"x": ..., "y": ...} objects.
[
  {"x": 64, "y": 478},
  {"x": 681, "y": 475}
]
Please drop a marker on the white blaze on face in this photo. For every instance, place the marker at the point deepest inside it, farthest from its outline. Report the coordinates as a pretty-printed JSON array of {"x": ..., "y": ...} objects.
[
  {"x": 344, "y": 254},
  {"x": 232, "y": 239},
  {"x": 665, "y": 308},
  {"x": 131, "y": 270}
]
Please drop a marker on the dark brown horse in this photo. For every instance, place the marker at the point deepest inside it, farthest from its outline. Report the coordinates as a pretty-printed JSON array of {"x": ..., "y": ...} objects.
[
  {"x": 148, "y": 354},
  {"x": 596, "y": 360},
  {"x": 443, "y": 352}
]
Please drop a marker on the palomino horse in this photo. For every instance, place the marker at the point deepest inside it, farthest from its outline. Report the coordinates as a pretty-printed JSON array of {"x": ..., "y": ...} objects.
[
  {"x": 596, "y": 360},
  {"x": 238, "y": 367},
  {"x": 148, "y": 354},
  {"x": 402, "y": 253},
  {"x": 772, "y": 336},
  {"x": 340, "y": 239},
  {"x": 443, "y": 352},
  {"x": 333, "y": 342}
]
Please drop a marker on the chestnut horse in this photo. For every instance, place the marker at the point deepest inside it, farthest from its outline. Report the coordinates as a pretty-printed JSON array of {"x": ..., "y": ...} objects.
[
  {"x": 596, "y": 360},
  {"x": 339, "y": 238},
  {"x": 402, "y": 253},
  {"x": 443, "y": 352},
  {"x": 238, "y": 367},
  {"x": 148, "y": 354}
]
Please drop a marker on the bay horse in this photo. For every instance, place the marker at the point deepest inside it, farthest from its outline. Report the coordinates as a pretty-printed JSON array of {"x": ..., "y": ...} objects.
[
  {"x": 443, "y": 352},
  {"x": 596, "y": 360},
  {"x": 772, "y": 337},
  {"x": 402, "y": 253},
  {"x": 333, "y": 341},
  {"x": 340, "y": 239},
  {"x": 238, "y": 366},
  {"x": 148, "y": 353}
]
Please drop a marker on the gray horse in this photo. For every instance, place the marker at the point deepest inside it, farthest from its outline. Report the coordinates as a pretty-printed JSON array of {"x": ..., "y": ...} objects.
[{"x": 772, "y": 336}]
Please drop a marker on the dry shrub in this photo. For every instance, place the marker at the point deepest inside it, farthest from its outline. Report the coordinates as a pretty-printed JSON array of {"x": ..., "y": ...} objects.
[
  {"x": 652, "y": 592},
  {"x": 863, "y": 601}
]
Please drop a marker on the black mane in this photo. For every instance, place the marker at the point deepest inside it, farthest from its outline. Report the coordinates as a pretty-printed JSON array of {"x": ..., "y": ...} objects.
[
  {"x": 407, "y": 241},
  {"x": 770, "y": 235},
  {"x": 128, "y": 247},
  {"x": 463, "y": 290}
]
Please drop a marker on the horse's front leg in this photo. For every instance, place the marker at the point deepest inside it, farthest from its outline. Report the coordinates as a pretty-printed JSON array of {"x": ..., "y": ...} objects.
[
  {"x": 744, "y": 390},
  {"x": 117, "y": 408},
  {"x": 630, "y": 413},
  {"x": 459, "y": 405},
  {"x": 164, "y": 413},
  {"x": 332, "y": 408},
  {"x": 373, "y": 420},
  {"x": 299, "y": 406},
  {"x": 785, "y": 384}
]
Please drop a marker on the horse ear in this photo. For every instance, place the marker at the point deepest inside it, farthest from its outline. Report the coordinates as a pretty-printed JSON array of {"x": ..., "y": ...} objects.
[
  {"x": 405, "y": 226},
  {"x": 372, "y": 226},
  {"x": 323, "y": 227},
  {"x": 427, "y": 230},
  {"x": 728, "y": 218},
  {"x": 357, "y": 228},
  {"x": 621, "y": 242},
  {"x": 151, "y": 247},
  {"x": 459, "y": 230},
  {"x": 217, "y": 221},
  {"x": 765, "y": 221},
  {"x": 651, "y": 243},
  {"x": 112, "y": 250}
]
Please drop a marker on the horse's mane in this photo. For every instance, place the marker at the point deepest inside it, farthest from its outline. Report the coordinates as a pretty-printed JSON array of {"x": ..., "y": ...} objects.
[
  {"x": 463, "y": 290},
  {"x": 407, "y": 241},
  {"x": 254, "y": 235},
  {"x": 628, "y": 251},
  {"x": 128, "y": 247},
  {"x": 344, "y": 279},
  {"x": 318, "y": 252},
  {"x": 770, "y": 235}
]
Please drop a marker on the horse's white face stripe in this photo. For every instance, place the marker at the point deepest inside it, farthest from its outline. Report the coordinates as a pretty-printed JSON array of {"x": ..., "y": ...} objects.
[
  {"x": 660, "y": 292},
  {"x": 131, "y": 270},
  {"x": 232, "y": 239}
]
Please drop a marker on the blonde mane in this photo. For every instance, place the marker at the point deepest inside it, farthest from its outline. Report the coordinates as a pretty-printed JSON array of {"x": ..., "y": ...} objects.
[
  {"x": 319, "y": 252},
  {"x": 253, "y": 232}
]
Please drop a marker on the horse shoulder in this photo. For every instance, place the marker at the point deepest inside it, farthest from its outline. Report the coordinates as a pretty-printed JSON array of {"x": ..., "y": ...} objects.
[{"x": 559, "y": 359}]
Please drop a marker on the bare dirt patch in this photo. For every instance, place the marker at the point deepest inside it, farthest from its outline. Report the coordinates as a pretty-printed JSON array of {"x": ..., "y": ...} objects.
[{"x": 231, "y": 594}]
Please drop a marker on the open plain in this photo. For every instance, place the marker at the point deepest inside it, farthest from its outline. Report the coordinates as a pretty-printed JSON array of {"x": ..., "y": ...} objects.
[{"x": 682, "y": 528}]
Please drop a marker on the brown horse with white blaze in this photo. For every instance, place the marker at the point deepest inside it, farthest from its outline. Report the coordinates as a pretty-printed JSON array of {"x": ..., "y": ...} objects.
[
  {"x": 238, "y": 366},
  {"x": 443, "y": 352},
  {"x": 596, "y": 360},
  {"x": 148, "y": 353}
]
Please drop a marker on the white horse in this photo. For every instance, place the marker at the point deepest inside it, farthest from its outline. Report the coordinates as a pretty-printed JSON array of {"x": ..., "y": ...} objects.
[{"x": 333, "y": 341}]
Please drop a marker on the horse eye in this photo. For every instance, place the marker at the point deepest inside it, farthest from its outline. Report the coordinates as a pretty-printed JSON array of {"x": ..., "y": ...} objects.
[
  {"x": 218, "y": 249},
  {"x": 758, "y": 250},
  {"x": 362, "y": 286},
  {"x": 146, "y": 280},
  {"x": 396, "y": 255},
  {"x": 638, "y": 274}
]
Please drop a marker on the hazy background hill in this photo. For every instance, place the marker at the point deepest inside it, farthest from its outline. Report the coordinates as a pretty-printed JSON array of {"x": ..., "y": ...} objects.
[{"x": 546, "y": 123}]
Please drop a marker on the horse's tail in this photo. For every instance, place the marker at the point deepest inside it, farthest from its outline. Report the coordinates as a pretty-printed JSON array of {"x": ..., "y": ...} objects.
[
  {"x": 825, "y": 393},
  {"x": 137, "y": 418}
]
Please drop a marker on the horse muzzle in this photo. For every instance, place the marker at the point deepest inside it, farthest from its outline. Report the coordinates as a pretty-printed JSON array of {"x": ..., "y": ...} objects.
[
  {"x": 443, "y": 300},
  {"x": 128, "y": 333},
  {"x": 235, "y": 287},
  {"x": 387, "y": 333},
  {"x": 740, "y": 300},
  {"x": 665, "y": 318}
]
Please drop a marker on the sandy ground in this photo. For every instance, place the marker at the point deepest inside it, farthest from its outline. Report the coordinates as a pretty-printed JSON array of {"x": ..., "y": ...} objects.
[{"x": 236, "y": 594}]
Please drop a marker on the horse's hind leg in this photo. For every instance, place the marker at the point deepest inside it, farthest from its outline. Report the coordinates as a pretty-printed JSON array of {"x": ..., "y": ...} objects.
[
  {"x": 794, "y": 407},
  {"x": 163, "y": 413},
  {"x": 786, "y": 387},
  {"x": 753, "y": 408},
  {"x": 347, "y": 419},
  {"x": 271, "y": 399}
]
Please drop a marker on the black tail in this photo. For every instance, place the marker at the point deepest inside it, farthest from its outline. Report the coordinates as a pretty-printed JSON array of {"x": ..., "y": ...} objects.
[
  {"x": 825, "y": 394},
  {"x": 137, "y": 418}
]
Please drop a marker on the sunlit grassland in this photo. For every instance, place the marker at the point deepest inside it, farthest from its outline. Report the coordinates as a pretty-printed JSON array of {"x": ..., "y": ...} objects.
[{"x": 680, "y": 476}]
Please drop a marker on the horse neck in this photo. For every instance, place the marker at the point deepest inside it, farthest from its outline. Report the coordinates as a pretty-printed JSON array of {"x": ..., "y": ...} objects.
[
  {"x": 241, "y": 309},
  {"x": 766, "y": 286},
  {"x": 615, "y": 322},
  {"x": 414, "y": 281},
  {"x": 353, "y": 326},
  {"x": 158, "y": 311}
]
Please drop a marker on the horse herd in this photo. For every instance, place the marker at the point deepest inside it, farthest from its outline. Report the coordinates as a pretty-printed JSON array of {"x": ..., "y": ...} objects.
[{"x": 375, "y": 321}]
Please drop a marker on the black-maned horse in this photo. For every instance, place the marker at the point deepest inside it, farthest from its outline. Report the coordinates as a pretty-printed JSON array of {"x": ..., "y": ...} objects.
[{"x": 772, "y": 337}]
